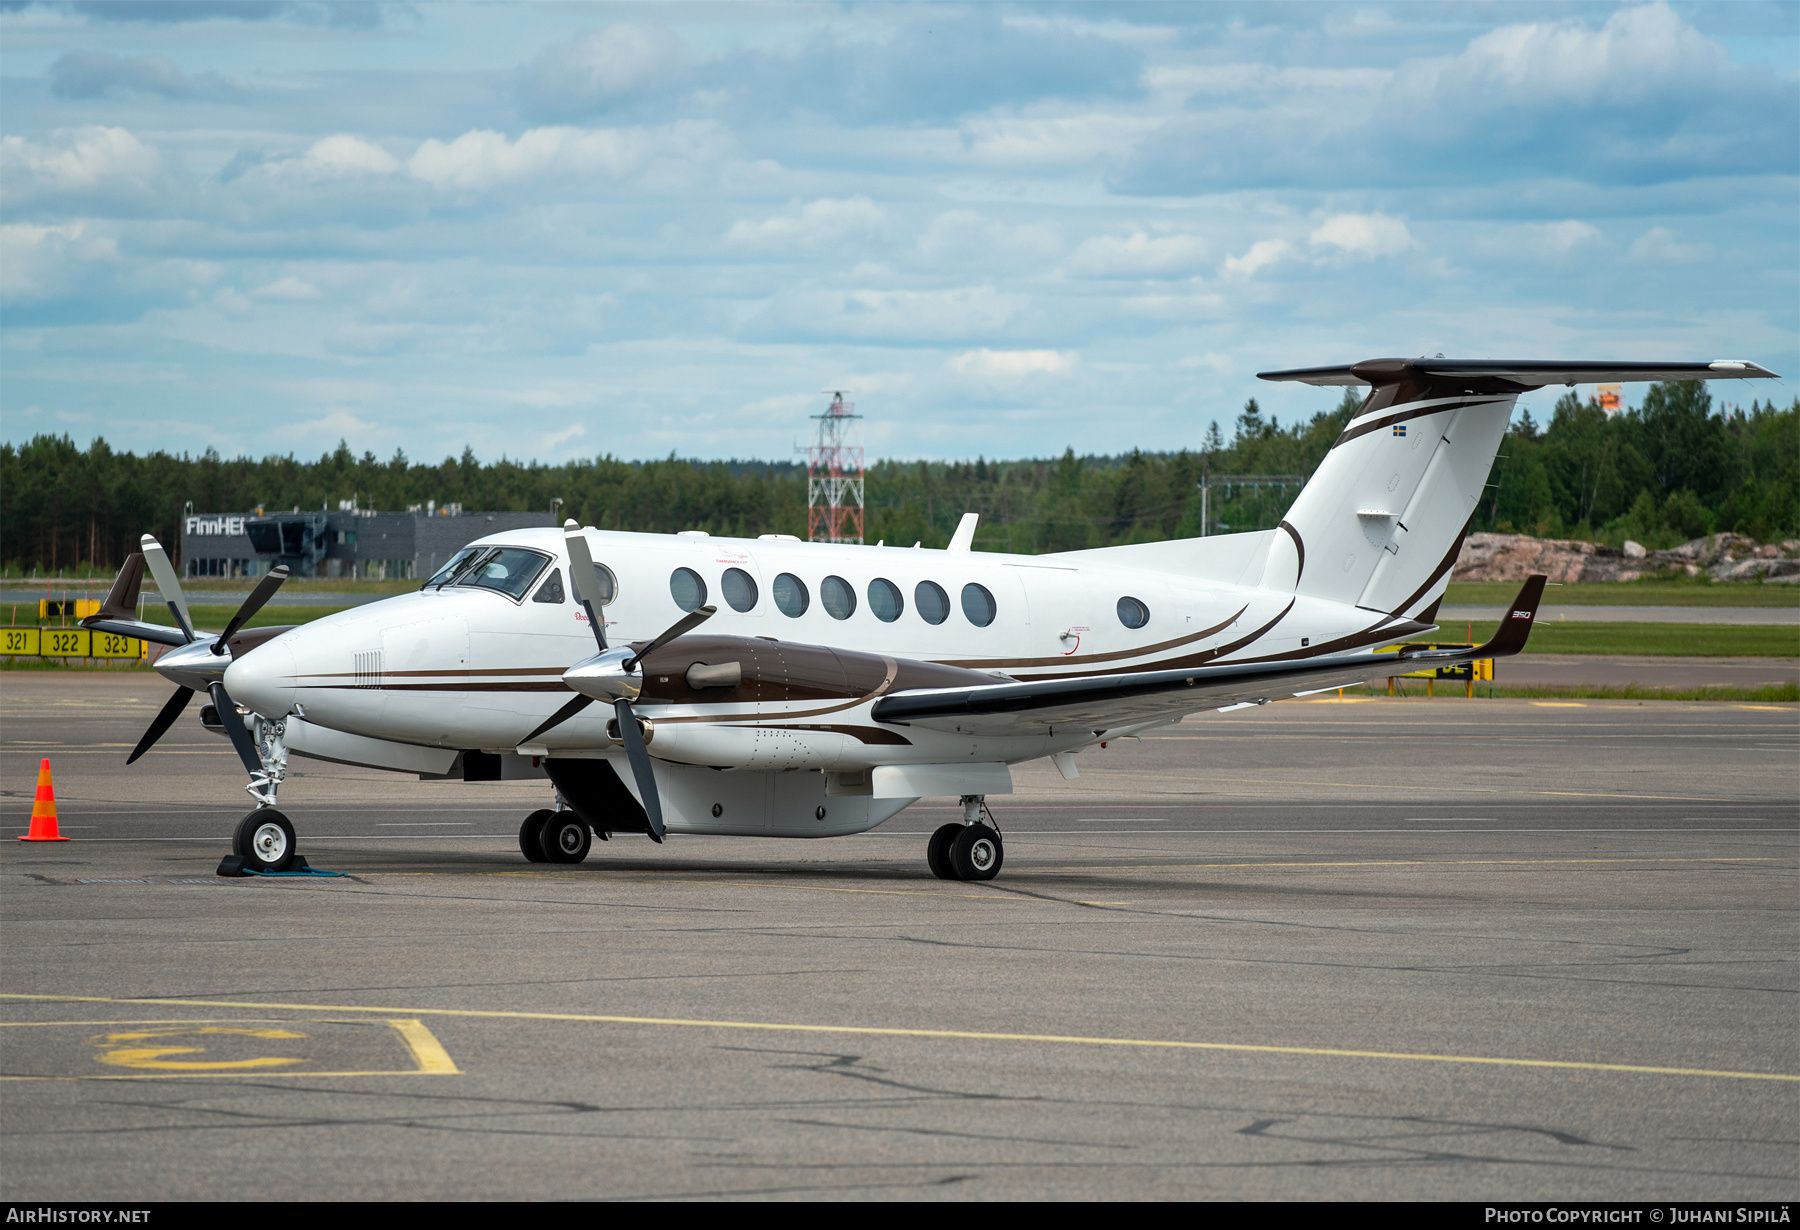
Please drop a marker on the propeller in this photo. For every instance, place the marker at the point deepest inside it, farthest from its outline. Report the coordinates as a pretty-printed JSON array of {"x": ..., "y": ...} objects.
[
  {"x": 265, "y": 590},
  {"x": 614, "y": 667},
  {"x": 639, "y": 755},
  {"x": 235, "y": 728},
  {"x": 583, "y": 578},
  {"x": 164, "y": 719},
  {"x": 169, "y": 583}
]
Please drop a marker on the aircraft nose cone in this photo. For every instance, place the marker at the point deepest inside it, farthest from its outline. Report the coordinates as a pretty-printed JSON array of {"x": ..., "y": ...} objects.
[{"x": 263, "y": 679}]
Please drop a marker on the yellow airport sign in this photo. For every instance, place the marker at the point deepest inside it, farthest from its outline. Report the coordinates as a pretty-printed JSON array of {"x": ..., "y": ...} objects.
[
  {"x": 21, "y": 642},
  {"x": 67, "y": 643}
]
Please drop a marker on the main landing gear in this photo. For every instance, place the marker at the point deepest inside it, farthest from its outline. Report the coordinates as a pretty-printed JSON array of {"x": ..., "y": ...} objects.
[
  {"x": 971, "y": 850},
  {"x": 554, "y": 837}
]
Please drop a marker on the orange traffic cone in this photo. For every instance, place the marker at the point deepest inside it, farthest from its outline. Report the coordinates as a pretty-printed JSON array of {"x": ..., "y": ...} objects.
[{"x": 43, "y": 809}]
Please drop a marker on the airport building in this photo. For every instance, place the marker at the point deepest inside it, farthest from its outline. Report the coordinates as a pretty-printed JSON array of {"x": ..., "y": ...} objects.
[{"x": 352, "y": 542}]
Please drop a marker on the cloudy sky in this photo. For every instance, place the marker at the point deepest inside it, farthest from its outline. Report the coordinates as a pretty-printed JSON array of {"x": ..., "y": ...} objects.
[{"x": 567, "y": 229}]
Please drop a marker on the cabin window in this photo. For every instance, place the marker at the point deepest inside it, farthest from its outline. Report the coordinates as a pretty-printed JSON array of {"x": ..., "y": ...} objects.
[
  {"x": 740, "y": 589},
  {"x": 978, "y": 605},
  {"x": 551, "y": 590},
  {"x": 885, "y": 600},
  {"x": 838, "y": 597},
  {"x": 607, "y": 583},
  {"x": 932, "y": 603},
  {"x": 1132, "y": 613},
  {"x": 508, "y": 570},
  {"x": 791, "y": 598},
  {"x": 688, "y": 590}
]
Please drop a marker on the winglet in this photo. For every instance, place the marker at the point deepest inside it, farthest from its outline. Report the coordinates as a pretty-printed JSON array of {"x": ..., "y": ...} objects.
[{"x": 1515, "y": 626}]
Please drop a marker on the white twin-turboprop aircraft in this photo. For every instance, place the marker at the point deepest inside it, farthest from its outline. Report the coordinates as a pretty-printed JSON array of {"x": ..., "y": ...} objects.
[{"x": 836, "y": 684}]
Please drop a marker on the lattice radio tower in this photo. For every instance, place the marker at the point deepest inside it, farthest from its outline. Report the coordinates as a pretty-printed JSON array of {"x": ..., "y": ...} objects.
[{"x": 834, "y": 475}]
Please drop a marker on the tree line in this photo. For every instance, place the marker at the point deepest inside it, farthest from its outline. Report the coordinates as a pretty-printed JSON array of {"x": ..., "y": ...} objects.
[{"x": 1670, "y": 469}]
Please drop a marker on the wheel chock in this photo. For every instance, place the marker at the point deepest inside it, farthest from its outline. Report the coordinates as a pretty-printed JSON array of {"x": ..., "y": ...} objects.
[{"x": 232, "y": 865}]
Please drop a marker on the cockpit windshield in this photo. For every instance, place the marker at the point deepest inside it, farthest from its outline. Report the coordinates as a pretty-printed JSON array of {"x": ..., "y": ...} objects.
[
  {"x": 507, "y": 569},
  {"x": 444, "y": 575}
]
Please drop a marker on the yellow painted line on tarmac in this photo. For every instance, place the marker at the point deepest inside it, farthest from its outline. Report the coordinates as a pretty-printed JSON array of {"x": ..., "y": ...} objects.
[
  {"x": 427, "y": 1051},
  {"x": 969, "y": 1035},
  {"x": 1558, "y": 704}
]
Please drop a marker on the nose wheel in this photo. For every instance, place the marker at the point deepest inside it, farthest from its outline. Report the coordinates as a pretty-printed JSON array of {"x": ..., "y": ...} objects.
[{"x": 264, "y": 840}]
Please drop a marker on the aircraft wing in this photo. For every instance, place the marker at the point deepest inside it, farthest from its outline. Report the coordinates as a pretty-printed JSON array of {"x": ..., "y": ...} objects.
[
  {"x": 1525, "y": 373},
  {"x": 1107, "y": 702}
]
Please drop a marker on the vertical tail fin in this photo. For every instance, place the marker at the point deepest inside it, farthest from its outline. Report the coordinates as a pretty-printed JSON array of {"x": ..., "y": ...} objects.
[{"x": 1380, "y": 522}]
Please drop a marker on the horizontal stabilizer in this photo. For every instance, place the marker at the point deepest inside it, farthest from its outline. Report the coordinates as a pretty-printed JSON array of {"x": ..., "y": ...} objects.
[
  {"x": 160, "y": 634},
  {"x": 1522, "y": 373}
]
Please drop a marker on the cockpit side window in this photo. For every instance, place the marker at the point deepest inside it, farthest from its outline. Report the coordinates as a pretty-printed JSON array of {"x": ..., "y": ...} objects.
[
  {"x": 552, "y": 588},
  {"x": 459, "y": 561},
  {"x": 509, "y": 570}
]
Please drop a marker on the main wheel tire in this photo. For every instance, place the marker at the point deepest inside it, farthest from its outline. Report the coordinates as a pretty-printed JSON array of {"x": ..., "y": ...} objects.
[
  {"x": 937, "y": 852},
  {"x": 565, "y": 838},
  {"x": 265, "y": 840},
  {"x": 531, "y": 836},
  {"x": 977, "y": 853}
]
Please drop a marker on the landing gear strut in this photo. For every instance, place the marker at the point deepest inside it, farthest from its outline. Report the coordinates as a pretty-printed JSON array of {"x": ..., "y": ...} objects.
[{"x": 971, "y": 850}]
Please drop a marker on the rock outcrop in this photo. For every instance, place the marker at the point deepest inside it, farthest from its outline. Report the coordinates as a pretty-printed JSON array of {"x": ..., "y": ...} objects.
[{"x": 1723, "y": 557}]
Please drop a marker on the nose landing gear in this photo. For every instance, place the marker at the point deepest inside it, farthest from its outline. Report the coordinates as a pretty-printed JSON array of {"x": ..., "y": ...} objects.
[{"x": 971, "y": 850}]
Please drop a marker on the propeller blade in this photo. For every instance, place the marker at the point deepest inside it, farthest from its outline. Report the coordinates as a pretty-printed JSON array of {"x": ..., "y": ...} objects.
[
  {"x": 265, "y": 590},
  {"x": 583, "y": 579},
  {"x": 235, "y": 728},
  {"x": 168, "y": 583},
  {"x": 165, "y": 719},
  {"x": 559, "y": 717},
  {"x": 680, "y": 627},
  {"x": 633, "y": 738}
]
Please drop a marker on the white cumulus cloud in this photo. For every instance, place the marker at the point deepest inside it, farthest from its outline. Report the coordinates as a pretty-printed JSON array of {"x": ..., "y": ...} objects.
[
  {"x": 85, "y": 160},
  {"x": 1262, "y": 253},
  {"x": 482, "y": 158},
  {"x": 820, "y": 222},
  {"x": 1137, "y": 255},
  {"x": 1365, "y": 235},
  {"x": 343, "y": 154},
  {"x": 1012, "y": 364}
]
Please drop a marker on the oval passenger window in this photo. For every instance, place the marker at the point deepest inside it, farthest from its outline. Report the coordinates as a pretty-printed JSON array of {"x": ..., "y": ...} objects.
[
  {"x": 838, "y": 597},
  {"x": 932, "y": 603},
  {"x": 1132, "y": 613},
  {"x": 978, "y": 605},
  {"x": 885, "y": 600},
  {"x": 740, "y": 589},
  {"x": 688, "y": 590},
  {"x": 791, "y": 598},
  {"x": 608, "y": 583}
]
